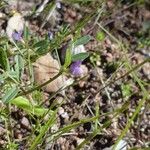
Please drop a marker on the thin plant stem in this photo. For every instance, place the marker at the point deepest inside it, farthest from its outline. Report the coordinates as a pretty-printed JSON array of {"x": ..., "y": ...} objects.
[
  {"x": 40, "y": 86},
  {"x": 124, "y": 75}
]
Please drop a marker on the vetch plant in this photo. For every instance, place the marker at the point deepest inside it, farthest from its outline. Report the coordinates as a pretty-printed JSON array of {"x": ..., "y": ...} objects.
[
  {"x": 27, "y": 73},
  {"x": 75, "y": 54}
]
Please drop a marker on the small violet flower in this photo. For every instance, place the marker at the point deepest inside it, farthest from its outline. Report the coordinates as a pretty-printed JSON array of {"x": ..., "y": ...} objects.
[
  {"x": 50, "y": 35},
  {"x": 76, "y": 69},
  {"x": 17, "y": 36}
]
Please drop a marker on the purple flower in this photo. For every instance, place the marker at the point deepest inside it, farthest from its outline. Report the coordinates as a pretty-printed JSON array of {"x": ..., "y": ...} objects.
[
  {"x": 50, "y": 35},
  {"x": 76, "y": 69},
  {"x": 17, "y": 36}
]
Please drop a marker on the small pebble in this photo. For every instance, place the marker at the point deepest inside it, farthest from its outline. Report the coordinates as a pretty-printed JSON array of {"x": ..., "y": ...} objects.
[
  {"x": 2, "y": 130},
  {"x": 65, "y": 115},
  {"x": 25, "y": 123}
]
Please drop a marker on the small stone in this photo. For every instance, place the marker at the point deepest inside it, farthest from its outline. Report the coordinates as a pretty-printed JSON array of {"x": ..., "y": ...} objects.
[
  {"x": 54, "y": 128},
  {"x": 2, "y": 15},
  {"x": 79, "y": 140},
  {"x": 18, "y": 134},
  {"x": 25, "y": 123},
  {"x": 108, "y": 43},
  {"x": 82, "y": 83},
  {"x": 60, "y": 99},
  {"x": 2, "y": 142},
  {"x": 60, "y": 111},
  {"x": 109, "y": 57},
  {"x": 110, "y": 4},
  {"x": 84, "y": 69},
  {"x": 18, "y": 126},
  {"x": 2, "y": 130},
  {"x": 72, "y": 13},
  {"x": 98, "y": 63},
  {"x": 65, "y": 115},
  {"x": 146, "y": 70}
]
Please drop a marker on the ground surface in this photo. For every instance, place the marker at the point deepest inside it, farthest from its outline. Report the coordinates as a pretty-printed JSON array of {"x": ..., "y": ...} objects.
[{"x": 120, "y": 22}]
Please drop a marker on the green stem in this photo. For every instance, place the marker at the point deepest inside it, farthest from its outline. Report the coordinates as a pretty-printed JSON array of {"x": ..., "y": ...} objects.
[
  {"x": 40, "y": 86},
  {"x": 127, "y": 73},
  {"x": 126, "y": 129},
  {"x": 137, "y": 110},
  {"x": 43, "y": 131}
]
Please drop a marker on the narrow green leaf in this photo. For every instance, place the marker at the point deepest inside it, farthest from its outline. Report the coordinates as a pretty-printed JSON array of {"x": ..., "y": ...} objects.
[
  {"x": 80, "y": 56},
  {"x": 3, "y": 40},
  {"x": 126, "y": 90},
  {"x": 2, "y": 77},
  {"x": 19, "y": 66},
  {"x": 42, "y": 50},
  {"x": 4, "y": 59},
  {"x": 41, "y": 47},
  {"x": 25, "y": 104},
  {"x": 40, "y": 44},
  {"x": 10, "y": 94},
  {"x": 26, "y": 33},
  {"x": 68, "y": 58},
  {"x": 43, "y": 131},
  {"x": 83, "y": 40}
]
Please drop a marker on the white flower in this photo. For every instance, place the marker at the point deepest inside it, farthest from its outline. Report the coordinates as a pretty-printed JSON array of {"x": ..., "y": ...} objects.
[
  {"x": 78, "y": 49},
  {"x": 15, "y": 24}
]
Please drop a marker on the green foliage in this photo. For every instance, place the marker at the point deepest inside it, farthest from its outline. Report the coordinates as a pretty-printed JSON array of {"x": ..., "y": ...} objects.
[
  {"x": 100, "y": 36},
  {"x": 4, "y": 63},
  {"x": 94, "y": 58},
  {"x": 43, "y": 131},
  {"x": 12, "y": 146},
  {"x": 10, "y": 94},
  {"x": 80, "y": 56},
  {"x": 68, "y": 57},
  {"x": 27, "y": 106},
  {"x": 3, "y": 4},
  {"x": 126, "y": 90},
  {"x": 81, "y": 2},
  {"x": 19, "y": 66},
  {"x": 83, "y": 40},
  {"x": 28, "y": 98},
  {"x": 26, "y": 34},
  {"x": 37, "y": 96},
  {"x": 41, "y": 47}
]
